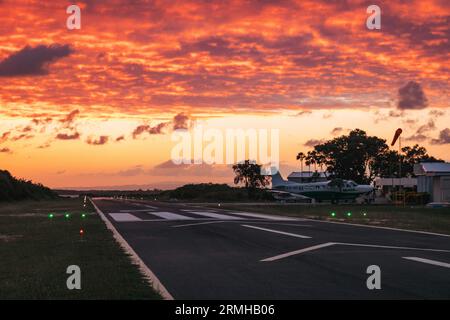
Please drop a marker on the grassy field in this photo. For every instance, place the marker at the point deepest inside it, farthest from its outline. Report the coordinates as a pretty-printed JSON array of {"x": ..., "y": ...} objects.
[
  {"x": 414, "y": 218},
  {"x": 36, "y": 249}
]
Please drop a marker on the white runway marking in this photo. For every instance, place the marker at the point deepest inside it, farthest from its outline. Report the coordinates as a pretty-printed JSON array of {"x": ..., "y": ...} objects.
[
  {"x": 149, "y": 276},
  {"x": 378, "y": 227},
  {"x": 282, "y": 224},
  {"x": 292, "y": 253},
  {"x": 151, "y": 207},
  {"x": 428, "y": 261},
  {"x": 196, "y": 224},
  {"x": 215, "y": 215},
  {"x": 170, "y": 216},
  {"x": 265, "y": 216},
  {"x": 389, "y": 247},
  {"x": 136, "y": 210},
  {"x": 122, "y": 217},
  {"x": 277, "y": 231},
  {"x": 288, "y": 254}
]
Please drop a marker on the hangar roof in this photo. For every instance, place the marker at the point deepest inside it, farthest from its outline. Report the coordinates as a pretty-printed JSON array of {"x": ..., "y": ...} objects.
[{"x": 432, "y": 168}]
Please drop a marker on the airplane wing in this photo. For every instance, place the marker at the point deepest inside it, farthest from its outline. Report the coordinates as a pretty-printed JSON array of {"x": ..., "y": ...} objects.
[{"x": 284, "y": 194}]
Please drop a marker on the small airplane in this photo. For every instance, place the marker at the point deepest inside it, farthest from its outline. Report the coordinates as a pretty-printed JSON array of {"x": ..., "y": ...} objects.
[{"x": 334, "y": 190}]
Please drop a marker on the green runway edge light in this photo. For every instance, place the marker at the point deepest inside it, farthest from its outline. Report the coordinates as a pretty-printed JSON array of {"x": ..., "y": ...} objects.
[
  {"x": 333, "y": 214},
  {"x": 50, "y": 216},
  {"x": 67, "y": 216},
  {"x": 83, "y": 215},
  {"x": 364, "y": 214},
  {"x": 349, "y": 214}
]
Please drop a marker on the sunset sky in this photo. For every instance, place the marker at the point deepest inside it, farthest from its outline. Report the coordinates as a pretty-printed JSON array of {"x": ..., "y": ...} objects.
[{"x": 96, "y": 107}]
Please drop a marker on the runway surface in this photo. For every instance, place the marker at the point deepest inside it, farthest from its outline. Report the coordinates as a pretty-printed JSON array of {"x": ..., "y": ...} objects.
[{"x": 203, "y": 253}]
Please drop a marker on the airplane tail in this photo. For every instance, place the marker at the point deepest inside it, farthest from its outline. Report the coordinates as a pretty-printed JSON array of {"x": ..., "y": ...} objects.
[{"x": 277, "y": 180}]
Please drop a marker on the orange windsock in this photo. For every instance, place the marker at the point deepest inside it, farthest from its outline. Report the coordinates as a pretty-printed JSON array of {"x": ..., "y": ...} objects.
[{"x": 397, "y": 134}]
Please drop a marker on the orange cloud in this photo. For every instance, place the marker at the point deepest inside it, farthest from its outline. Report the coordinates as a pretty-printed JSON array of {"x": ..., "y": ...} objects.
[
  {"x": 97, "y": 142},
  {"x": 68, "y": 136},
  {"x": 216, "y": 57}
]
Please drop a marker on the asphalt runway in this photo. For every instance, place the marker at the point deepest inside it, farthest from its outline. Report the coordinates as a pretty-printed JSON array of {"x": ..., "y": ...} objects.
[{"x": 203, "y": 253}]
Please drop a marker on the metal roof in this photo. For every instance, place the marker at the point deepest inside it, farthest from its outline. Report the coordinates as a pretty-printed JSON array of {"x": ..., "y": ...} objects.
[{"x": 432, "y": 168}]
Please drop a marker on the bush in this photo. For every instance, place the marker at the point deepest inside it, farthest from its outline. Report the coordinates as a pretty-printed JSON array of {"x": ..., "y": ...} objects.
[
  {"x": 19, "y": 189},
  {"x": 215, "y": 192}
]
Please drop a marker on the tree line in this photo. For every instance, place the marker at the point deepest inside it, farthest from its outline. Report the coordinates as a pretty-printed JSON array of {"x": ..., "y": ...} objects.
[
  {"x": 361, "y": 158},
  {"x": 12, "y": 188},
  {"x": 355, "y": 156}
]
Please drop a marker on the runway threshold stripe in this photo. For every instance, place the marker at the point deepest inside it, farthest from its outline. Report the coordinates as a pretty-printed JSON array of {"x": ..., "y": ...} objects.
[
  {"x": 292, "y": 253},
  {"x": 277, "y": 231},
  {"x": 169, "y": 215},
  {"x": 124, "y": 217},
  {"x": 215, "y": 215},
  {"x": 136, "y": 210},
  {"x": 428, "y": 261}
]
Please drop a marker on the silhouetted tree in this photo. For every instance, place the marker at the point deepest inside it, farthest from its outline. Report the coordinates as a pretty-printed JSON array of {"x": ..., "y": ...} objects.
[
  {"x": 19, "y": 189},
  {"x": 301, "y": 156},
  {"x": 249, "y": 173},
  {"x": 361, "y": 158},
  {"x": 312, "y": 158},
  {"x": 351, "y": 156},
  {"x": 413, "y": 155}
]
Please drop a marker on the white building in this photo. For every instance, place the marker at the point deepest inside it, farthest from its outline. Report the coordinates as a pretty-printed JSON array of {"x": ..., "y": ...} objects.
[
  {"x": 434, "y": 178},
  {"x": 387, "y": 184}
]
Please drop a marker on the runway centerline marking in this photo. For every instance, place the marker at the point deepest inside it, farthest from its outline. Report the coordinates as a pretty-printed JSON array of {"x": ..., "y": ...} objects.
[
  {"x": 327, "y": 244},
  {"x": 274, "y": 223},
  {"x": 169, "y": 215},
  {"x": 196, "y": 224},
  {"x": 277, "y": 231},
  {"x": 122, "y": 217},
  {"x": 147, "y": 206},
  {"x": 264, "y": 216},
  {"x": 389, "y": 247},
  {"x": 428, "y": 261}
]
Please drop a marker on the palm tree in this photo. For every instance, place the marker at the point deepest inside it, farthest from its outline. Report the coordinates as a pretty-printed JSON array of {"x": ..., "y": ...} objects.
[
  {"x": 301, "y": 156},
  {"x": 320, "y": 159},
  {"x": 311, "y": 158}
]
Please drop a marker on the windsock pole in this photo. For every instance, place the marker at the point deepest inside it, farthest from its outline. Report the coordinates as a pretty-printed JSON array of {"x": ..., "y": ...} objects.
[
  {"x": 398, "y": 132},
  {"x": 400, "y": 157}
]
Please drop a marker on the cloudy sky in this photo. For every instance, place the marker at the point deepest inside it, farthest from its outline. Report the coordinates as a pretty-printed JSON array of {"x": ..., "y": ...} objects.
[{"x": 96, "y": 106}]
